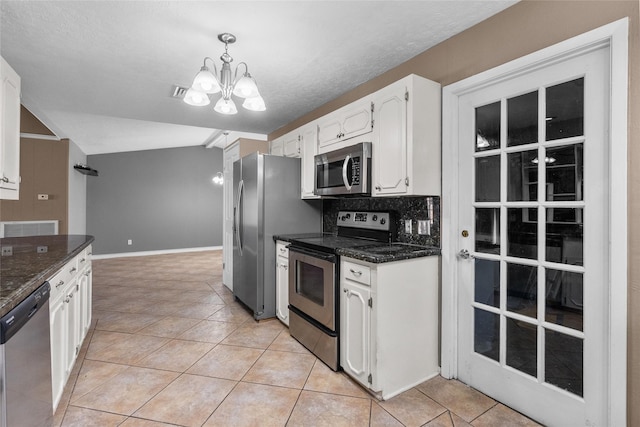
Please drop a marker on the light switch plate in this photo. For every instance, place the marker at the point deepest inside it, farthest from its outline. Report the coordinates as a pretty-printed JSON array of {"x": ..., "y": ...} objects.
[{"x": 407, "y": 226}]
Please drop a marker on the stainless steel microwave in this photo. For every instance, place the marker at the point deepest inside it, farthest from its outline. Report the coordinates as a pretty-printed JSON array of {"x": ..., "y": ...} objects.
[{"x": 346, "y": 171}]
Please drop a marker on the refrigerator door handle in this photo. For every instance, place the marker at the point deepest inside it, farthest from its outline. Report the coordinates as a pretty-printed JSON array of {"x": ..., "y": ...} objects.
[{"x": 237, "y": 213}]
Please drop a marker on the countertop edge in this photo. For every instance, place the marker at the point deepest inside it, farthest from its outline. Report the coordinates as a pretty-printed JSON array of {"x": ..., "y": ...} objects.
[{"x": 36, "y": 281}]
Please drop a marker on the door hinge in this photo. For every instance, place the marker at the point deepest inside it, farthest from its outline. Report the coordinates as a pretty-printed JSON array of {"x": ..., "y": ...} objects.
[
  {"x": 372, "y": 110},
  {"x": 370, "y": 379},
  {"x": 371, "y": 302},
  {"x": 406, "y": 181},
  {"x": 406, "y": 95}
]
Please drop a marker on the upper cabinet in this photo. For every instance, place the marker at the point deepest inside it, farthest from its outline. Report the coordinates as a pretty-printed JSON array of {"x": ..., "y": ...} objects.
[
  {"x": 406, "y": 138},
  {"x": 9, "y": 132},
  {"x": 309, "y": 148},
  {"x": 343, "y": 124},
  {"x": 287, "y": 145}
]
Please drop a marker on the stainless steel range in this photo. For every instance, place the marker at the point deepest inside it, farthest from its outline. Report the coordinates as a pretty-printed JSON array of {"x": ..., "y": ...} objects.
[{"x": 314, "y": 279}]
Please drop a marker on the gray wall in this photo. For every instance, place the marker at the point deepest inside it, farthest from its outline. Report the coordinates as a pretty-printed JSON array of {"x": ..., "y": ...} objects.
[
  {"x": 77, "y": 192},
  {"x": 160, "y": 199}
]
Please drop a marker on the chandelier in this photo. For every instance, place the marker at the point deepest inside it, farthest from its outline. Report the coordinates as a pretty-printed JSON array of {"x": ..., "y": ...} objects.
[{"x": 206, "y": 83}]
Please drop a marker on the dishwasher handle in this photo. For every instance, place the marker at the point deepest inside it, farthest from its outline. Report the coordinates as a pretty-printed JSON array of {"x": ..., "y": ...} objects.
[{"x": 15, "y": 319}]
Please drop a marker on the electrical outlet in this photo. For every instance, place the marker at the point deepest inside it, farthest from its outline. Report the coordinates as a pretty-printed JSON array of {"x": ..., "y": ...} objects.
[
  {"x": 7, "y": 250},
  {"x": 43, "y": 197},
  {"x": 423, "y": 227},
  {"x": 407, "y": 226},
  {"x": 42, "y": 249},
  {"x": 129, "y": 242}
]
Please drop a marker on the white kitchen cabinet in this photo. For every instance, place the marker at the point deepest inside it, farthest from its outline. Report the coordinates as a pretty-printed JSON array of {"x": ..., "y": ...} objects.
[
  {"x": 406, "y": 138},
  {"x": 350, "y": 121},
  {"x": 9, "y": 132},
  {"x": 282, "y": 281},
  {"x": 232, "y": 152},
  {"x": 308, "y": 148},
  {"x": 287, "y": 145},
  {"x": 389, "y": 323},
  {"x": 70, "y": 318}
]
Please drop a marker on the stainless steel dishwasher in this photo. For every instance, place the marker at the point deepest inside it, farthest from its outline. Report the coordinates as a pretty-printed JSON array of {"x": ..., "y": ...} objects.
[{"x": 25, "y": 363}]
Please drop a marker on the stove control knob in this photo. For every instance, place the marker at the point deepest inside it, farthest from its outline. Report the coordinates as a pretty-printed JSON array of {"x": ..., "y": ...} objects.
[
  {"x": 348, "y": 215},
  {"x": 375, "y": 218},
  {"x": 383, "y": 221}
]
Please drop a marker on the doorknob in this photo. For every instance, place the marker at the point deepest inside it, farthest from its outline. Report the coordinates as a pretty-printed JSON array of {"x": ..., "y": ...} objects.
[{"x": 464, "y": 254}]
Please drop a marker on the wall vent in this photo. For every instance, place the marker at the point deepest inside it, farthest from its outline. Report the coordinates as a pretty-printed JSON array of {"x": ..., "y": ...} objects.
[{"x": 28, "y": 228}]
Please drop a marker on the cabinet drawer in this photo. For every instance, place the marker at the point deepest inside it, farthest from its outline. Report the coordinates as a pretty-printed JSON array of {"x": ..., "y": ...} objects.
[
  {"x": 282, "y": 249},
  {"x": 357, "y": 273}
]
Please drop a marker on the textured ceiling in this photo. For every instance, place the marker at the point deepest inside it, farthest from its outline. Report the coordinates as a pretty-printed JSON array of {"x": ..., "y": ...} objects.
[{"x": 102, "y": 72}]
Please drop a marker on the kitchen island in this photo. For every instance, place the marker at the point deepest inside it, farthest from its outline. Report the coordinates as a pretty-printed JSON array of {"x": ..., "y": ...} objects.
[{"x": 27, "y": 262}]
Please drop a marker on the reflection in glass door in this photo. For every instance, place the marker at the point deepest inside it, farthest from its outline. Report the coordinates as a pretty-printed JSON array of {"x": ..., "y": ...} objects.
[{"x": 530, "y": 318}]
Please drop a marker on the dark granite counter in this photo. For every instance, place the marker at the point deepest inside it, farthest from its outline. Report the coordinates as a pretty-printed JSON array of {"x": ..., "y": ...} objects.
[
  {"x": 383, "y": 252},
  {"x": 368, "y": 251},
  {"x": 26, "y": 269}
]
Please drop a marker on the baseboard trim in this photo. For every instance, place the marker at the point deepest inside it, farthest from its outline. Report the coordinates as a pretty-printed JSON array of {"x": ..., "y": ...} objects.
[{"x": 159, "y": 252}]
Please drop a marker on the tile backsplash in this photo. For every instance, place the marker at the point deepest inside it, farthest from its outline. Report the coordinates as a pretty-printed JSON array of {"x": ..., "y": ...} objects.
[{"x": 402, "y": 209}]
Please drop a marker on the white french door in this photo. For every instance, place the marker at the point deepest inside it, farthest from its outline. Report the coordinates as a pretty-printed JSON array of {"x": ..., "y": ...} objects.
[{"x": 533, "y": 240}]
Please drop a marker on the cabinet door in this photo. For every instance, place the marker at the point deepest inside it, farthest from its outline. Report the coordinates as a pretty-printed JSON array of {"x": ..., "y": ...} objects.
[
  {"x": 355, "y": 330},
  {"x": 282, "y": 289},
  {"x": 291, "y": 145},
  {"x": 84, "y": 295},
  {"x": 345, "y": 123},
  {"x": 9, "y": 132},
  {"x": 73, "y": 327},
  {"x": 58, "y": 317},
  {"x": 390, "y": 141},
  {"x": 276, "y": 147},
  {"x": 309, "y": 148}
]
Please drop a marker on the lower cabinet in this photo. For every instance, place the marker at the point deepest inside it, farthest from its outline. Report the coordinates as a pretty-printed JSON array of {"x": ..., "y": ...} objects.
[
  {"x": 389, "y": 323},
  {"x": 70, "y": 318},
  {"x": 282, "y": 281}
]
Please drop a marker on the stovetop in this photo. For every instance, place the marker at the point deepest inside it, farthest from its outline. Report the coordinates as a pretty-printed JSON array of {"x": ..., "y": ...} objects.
[{"x": 328, "y": 242}]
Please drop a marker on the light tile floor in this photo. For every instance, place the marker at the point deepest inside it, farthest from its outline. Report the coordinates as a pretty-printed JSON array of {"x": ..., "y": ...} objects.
[{"x": 169, "y": 346}]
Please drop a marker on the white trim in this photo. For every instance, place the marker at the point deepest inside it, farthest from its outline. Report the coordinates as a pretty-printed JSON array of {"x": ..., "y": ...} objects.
[
  {"x": 39, "y": 136},
  {"x": 159, "y": 252},
  {"x": 616, "y": 36}
]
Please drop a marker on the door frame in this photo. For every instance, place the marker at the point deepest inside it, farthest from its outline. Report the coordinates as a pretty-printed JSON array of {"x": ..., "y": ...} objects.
[{"x": 614, "y": 35}]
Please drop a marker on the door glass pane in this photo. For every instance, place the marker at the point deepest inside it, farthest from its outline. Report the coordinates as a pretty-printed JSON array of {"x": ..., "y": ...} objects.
[
  {"x": 564, "y": 235},
  {"x": 522, "y": 232},
  {"x": 522, "y": 289},
  {"x": 487, "y": 282},
  {"x": 522, "y": 182},
  {"x": 522, "y": 346},
  {"x": 564, "y": 302},
  {"x": 488, "y": 127},
  {"x": 488, "y": 179},
  {"x": 522, "y": 119},
  {"x": 488, "y": 230},
  {"x": 565, "y": 110},
  {"x": 486, "y": 337},
  {"x": 564, "y": 167},
  {"x": 563, "y": 367}
]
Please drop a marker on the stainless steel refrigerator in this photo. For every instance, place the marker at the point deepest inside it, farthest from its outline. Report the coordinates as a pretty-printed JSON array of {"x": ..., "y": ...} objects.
[{"x": 266, "y": 202}]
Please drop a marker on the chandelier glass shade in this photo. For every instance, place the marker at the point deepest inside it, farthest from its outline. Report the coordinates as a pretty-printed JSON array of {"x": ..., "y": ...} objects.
[{"x": 226, "y": 83}]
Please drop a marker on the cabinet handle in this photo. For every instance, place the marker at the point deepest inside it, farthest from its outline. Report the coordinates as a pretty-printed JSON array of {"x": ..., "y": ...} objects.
[
  {"x": 67, "y": 300},
  {"x": 73, "y": 270},
  {"x": 69, "y": 297},
  {"x": 60, "y": 283},
  {"x": 282, "y": 250},
  {"x": 378, "y": 188},
  {"x": 83, "y": 260},
  {"x": 355, "y": 273},
  {"x": 7, "y": 180}
]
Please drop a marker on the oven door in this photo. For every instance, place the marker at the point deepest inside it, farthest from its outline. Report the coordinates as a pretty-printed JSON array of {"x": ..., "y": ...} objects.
[{"x": 312, "y": 286}]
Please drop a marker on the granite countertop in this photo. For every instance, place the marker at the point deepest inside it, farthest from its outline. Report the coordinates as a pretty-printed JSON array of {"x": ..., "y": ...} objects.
[
  {"x": 384, "y": 252},
  {"x": 373, "y": 252},
  {"x": 26, "y": 269}
]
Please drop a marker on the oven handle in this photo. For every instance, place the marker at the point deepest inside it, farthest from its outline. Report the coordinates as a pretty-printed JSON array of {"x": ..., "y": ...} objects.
[
  {"x": 345, "y": 179},
  {"x": 321, "y": 255}
]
